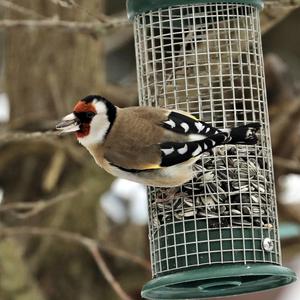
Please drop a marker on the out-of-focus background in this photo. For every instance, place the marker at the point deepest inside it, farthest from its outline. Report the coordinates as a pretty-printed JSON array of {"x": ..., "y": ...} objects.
[{"x": 67, "y": 229}]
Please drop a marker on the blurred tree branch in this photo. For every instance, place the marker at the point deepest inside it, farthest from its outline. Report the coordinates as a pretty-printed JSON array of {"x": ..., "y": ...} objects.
[
  {"x": 275, "y": 11},
  {"x": 89, "y": 244},
  {"x": 94, "y": 28},
  {"x": 73, "y": 4},
  {"x": 48, "y": 137},
  {"x": 8, "y": 136},
  {"x": 63, "y": 65},
  {"x": 20, "y": 9},
  {"x": 282, "y": 2},
  {"x": 64, "y": 3},
  {"x": 28, "y": 209},
  {"x": 40, "y": 205}
]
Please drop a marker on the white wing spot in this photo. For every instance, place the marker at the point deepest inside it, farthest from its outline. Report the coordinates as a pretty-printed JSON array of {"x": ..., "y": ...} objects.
[
  {"x": 183, "y": 150},
  {"x": 185, "y": 126},
  {"x": 249, "y": 133},
  {"x": 171, "y": 123},
  {"x": 167, "y": 151},
  {"x": 199, "y": 126},
  {"x": 205, "y": 147},
  {"x": 213, "y": 142},
  {"x": 207, "y": 129},
  {"x": 197, "y": 151}
]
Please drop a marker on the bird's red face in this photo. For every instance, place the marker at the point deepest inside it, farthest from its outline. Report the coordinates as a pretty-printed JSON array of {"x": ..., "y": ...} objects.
[
  {"x": 85, "y": 113},
  {"x": 80, "y": 120}
]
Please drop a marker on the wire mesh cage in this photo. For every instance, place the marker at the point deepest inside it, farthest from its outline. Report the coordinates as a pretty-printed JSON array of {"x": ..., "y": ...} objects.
[{"x": 218, "y": 234}]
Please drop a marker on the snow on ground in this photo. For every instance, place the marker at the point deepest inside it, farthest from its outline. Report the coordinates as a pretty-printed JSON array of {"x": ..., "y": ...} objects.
[
  {"x": 290, "y": 185},
  {"x": 4, "y": 108},
  {"x": 126, "y": 200}
]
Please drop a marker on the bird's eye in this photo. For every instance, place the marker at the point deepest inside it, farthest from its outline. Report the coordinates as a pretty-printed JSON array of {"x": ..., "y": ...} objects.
[{"x": 90, "y": 114}]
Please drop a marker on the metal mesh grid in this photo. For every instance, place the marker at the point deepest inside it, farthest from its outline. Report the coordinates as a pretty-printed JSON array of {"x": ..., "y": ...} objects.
[{"x": 207, "y": 59}]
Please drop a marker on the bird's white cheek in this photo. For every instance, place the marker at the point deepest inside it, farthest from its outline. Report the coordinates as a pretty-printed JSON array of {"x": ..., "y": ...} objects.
[{"x": 98, "y": 129}]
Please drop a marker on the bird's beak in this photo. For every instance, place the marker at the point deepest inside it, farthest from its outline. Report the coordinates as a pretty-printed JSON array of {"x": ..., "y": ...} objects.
[{"x": 70, "y": 123}]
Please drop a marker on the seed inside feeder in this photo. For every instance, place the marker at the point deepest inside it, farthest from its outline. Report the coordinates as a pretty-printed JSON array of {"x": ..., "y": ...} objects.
[{"x": 230, "y": 185}]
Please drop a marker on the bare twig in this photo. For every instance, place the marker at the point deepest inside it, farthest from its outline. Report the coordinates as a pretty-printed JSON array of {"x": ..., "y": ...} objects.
[
  {"x": 53, "y": 172},
  {"x": 74, "y": 4},
  {"x": 48, "y": 137},
  {"x": 282, "y": 2},
  {"x": 20, "y": 9},
  {"x": 276, "y": 11},
  {"x": 94, "y": 28},
  {"x": 93, "y": 249},
  {"x": 123, "y": 254},
  {"x": 64, "y": 3},
  {"x": 38, "y": 206},
  {"x": 91, "y": 245},
  {"x": 8, "y": 137}
]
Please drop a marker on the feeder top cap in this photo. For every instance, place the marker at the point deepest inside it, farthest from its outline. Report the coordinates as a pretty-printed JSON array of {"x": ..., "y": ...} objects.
[{"x": 136, "y": 7}]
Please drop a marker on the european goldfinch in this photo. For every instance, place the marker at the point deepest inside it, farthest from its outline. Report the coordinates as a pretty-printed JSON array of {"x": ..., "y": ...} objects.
[{"x": 153, "y": 146}]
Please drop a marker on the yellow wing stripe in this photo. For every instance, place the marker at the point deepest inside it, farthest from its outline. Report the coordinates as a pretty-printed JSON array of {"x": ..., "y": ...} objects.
[
  {"x": 187, "y": 114},
  {"x": 151, "y": 167}
]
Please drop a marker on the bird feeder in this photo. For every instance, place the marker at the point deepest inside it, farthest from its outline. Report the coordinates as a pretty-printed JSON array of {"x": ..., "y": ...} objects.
[{"x": 218, "y": 234}]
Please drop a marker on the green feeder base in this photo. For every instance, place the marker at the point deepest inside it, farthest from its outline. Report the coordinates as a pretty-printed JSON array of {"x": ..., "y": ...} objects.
[{"x": 218, "y": 281}]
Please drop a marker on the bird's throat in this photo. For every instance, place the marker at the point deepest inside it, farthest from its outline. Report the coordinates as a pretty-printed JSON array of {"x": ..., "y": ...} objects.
[{"x": 84, "y": 131}]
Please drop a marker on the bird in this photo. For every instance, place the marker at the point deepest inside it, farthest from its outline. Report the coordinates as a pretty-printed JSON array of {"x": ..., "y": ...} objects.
[{"x": 149, "y": 145}]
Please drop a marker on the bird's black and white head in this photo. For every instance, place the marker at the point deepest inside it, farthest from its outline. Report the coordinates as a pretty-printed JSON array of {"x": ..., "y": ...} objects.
[{"x": 91, "y": 120}]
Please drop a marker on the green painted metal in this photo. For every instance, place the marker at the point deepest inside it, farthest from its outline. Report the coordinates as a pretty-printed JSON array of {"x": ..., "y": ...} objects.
[
  {"x": 217, "y": 276},
  {"x": 136, "y": 7},
  {"x": 225, "y": 246},
  {"x": 218, "y": 281}
]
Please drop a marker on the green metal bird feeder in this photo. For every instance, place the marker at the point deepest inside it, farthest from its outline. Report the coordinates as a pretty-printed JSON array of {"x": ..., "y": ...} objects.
[{"x": 218, "y": 234}]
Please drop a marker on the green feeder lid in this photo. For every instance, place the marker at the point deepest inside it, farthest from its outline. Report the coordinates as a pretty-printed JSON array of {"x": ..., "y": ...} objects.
[
  {"x": 218, "y": 281},
  {"x": 136, "y": 7}
]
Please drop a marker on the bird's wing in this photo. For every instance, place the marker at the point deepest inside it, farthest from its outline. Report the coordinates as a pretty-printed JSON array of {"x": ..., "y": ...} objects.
[
  {"x": 173, "y": 153},
  {"x": 184, "y": 123},
  {"x": 152, "y": 139},
  {"x": 176, "y": 121}
]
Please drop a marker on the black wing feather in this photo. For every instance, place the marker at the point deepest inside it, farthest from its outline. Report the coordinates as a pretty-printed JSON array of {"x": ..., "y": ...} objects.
[
  {"x": 183, "y": 124},
  {"x": 174, "y": 153}
]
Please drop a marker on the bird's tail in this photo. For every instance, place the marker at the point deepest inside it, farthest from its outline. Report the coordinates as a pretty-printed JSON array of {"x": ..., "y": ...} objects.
[{"x": 245, "y": 134}]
